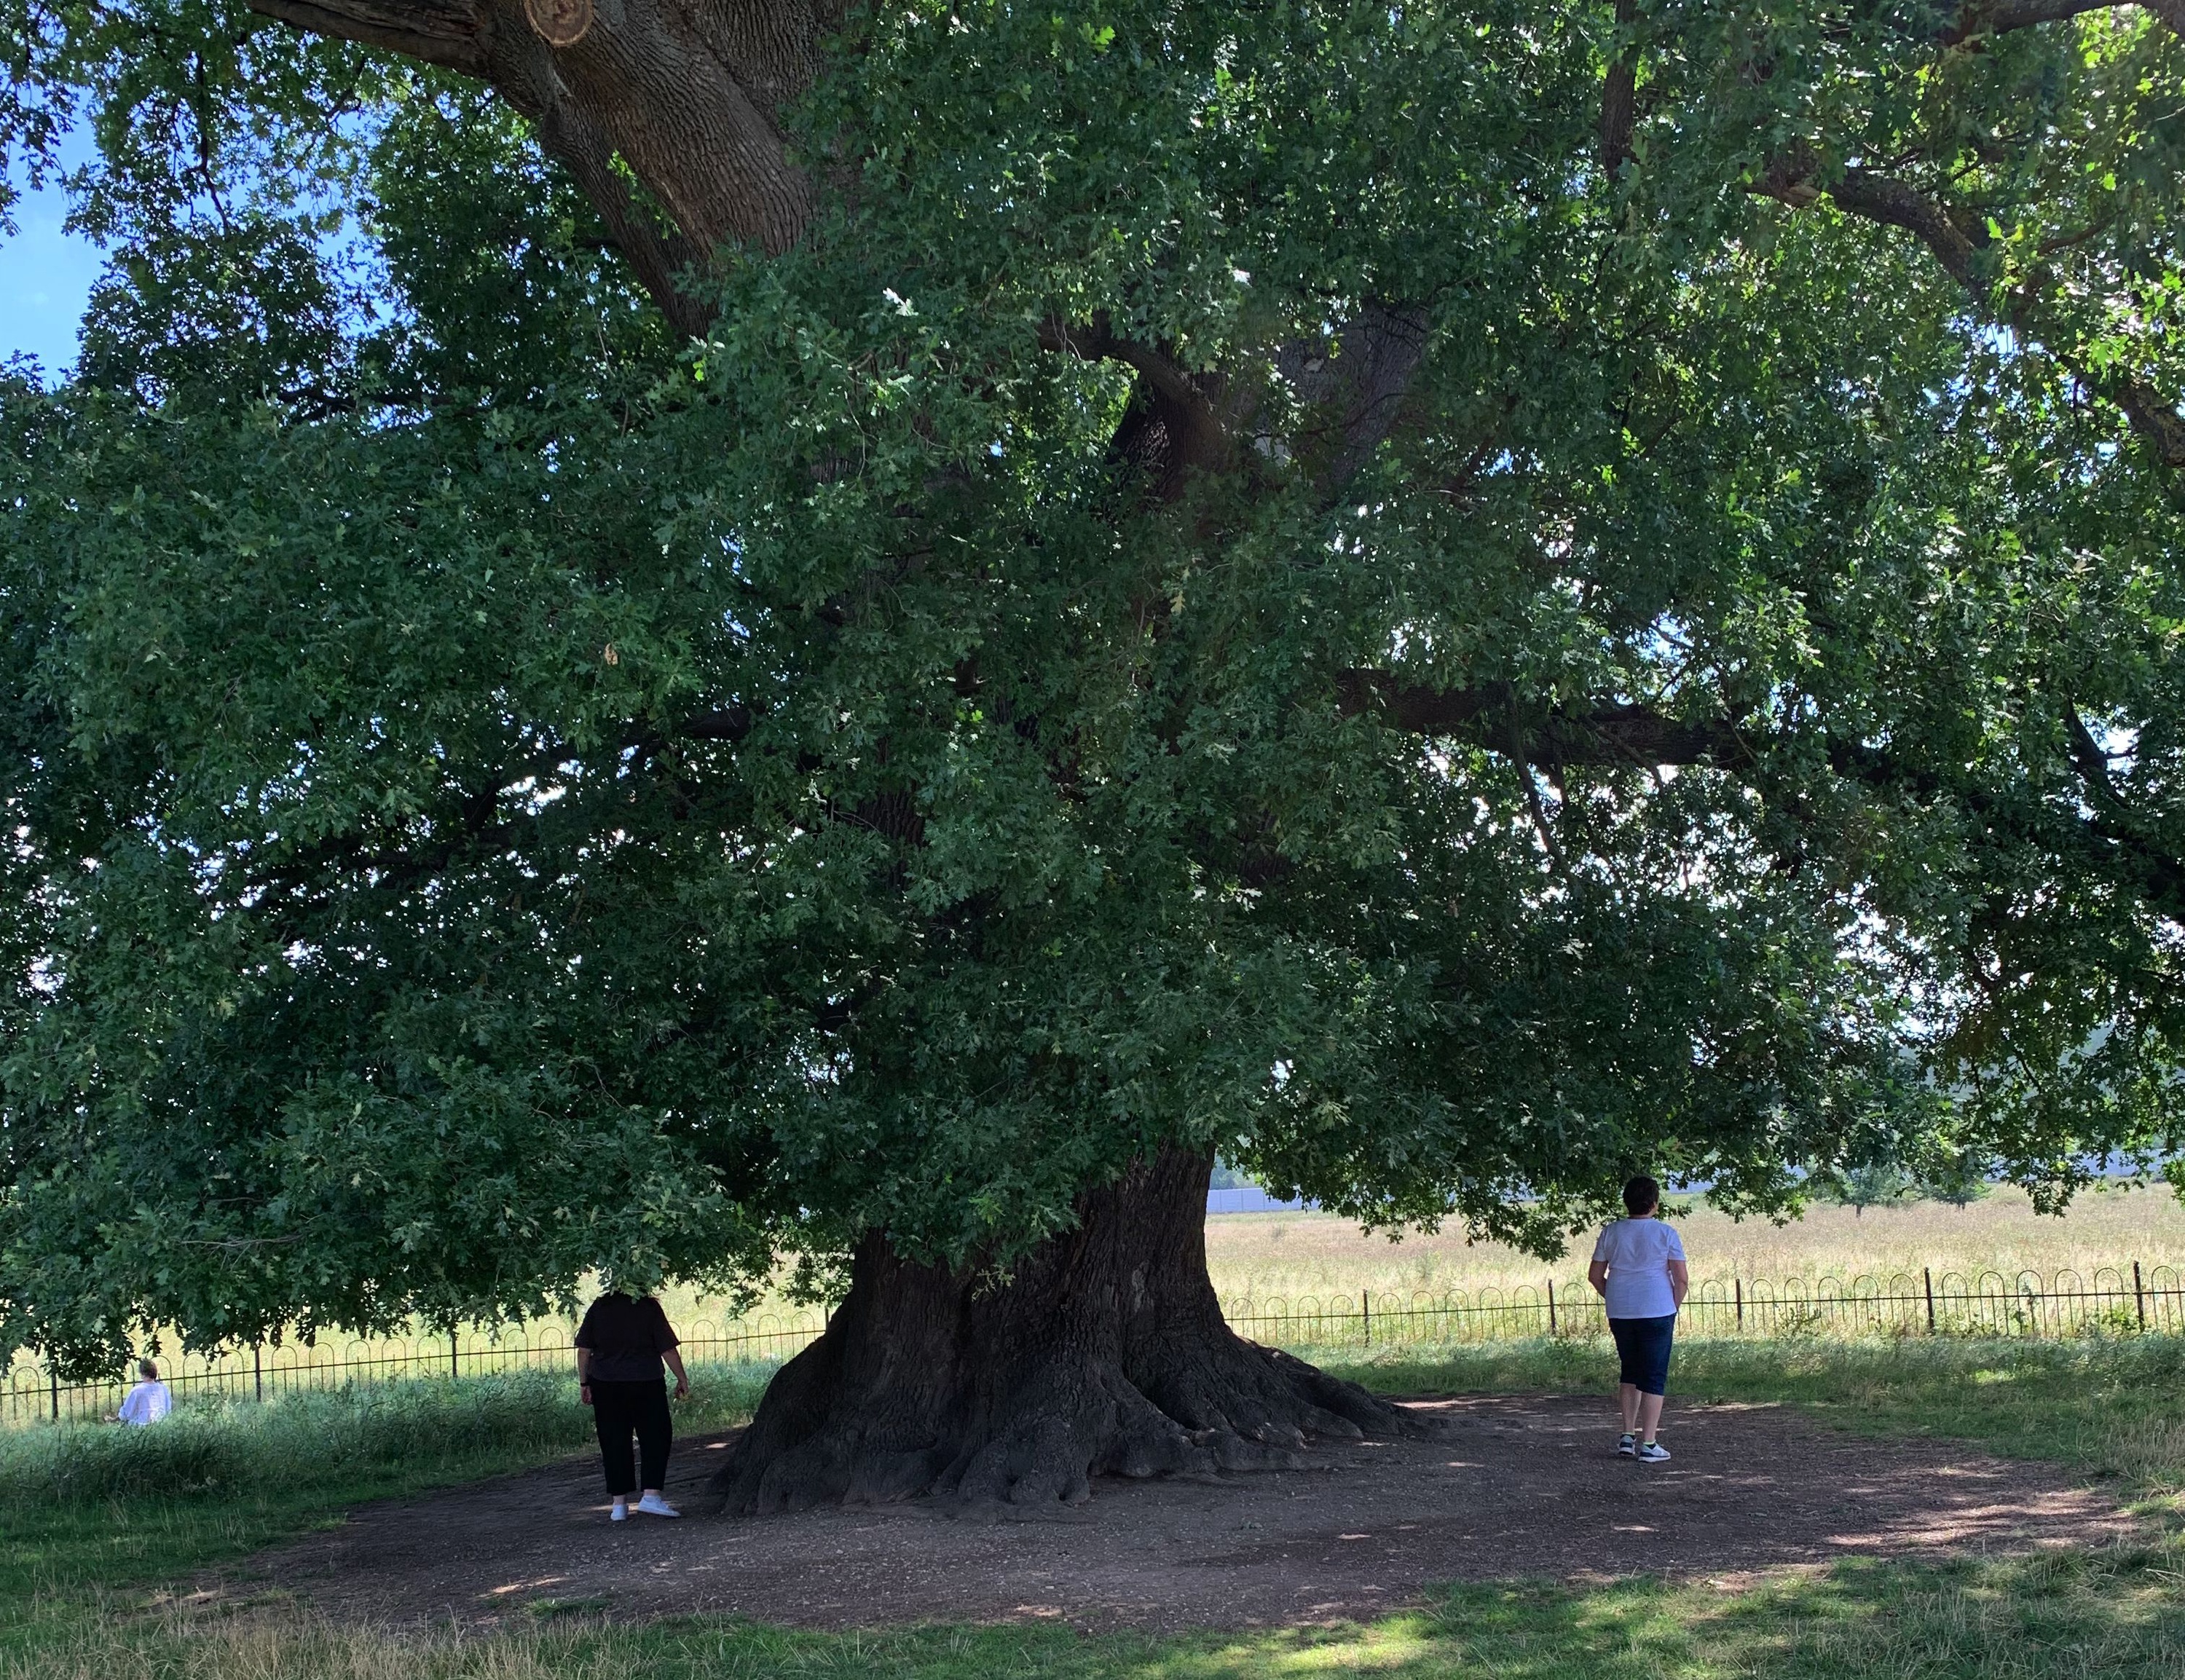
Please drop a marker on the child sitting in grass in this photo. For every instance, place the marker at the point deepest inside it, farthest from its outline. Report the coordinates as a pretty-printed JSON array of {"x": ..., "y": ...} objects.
[{"x": 150, "y": 1401}]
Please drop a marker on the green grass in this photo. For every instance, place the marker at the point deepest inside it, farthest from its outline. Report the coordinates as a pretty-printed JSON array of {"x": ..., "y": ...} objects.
[
  {"x": 91, "y": 1517},
  {"x": 2116, "y": 1616}
]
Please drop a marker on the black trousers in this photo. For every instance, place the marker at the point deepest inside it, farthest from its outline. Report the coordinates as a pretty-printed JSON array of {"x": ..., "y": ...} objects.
[{"x": 620, "y": 1408}]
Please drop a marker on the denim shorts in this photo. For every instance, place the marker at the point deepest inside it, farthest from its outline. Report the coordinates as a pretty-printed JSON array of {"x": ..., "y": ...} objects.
[{"x": 1643, "y": 1347}]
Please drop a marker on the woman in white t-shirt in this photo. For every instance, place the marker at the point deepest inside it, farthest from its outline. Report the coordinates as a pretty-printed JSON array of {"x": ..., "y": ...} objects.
[
  {"x": 150, "y": 1400},
  {"x": 1639, "y": 1270}
]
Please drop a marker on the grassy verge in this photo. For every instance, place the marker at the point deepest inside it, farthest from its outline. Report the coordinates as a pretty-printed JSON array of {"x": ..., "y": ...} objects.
[{"x": 90, "y": 1517}]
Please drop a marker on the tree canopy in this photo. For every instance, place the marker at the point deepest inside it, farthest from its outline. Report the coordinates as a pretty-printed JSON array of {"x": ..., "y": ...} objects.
[{"x": 1454, "y": 602}]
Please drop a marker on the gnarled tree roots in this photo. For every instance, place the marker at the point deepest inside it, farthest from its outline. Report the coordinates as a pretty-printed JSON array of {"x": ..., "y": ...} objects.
[{"x": 1103, "y": 1353}]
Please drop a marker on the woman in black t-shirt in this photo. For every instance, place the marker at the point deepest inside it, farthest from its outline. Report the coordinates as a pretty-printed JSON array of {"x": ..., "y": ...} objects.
[{"x": 620, "y": 1347}]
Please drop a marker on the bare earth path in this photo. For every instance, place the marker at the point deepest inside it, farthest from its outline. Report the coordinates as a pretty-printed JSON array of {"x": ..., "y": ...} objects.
[{"x": 1519, "y": 1487}]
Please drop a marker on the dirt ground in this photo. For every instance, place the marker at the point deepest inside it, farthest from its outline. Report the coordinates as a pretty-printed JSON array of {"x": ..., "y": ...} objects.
[{"x": 1516, "y": 1488}]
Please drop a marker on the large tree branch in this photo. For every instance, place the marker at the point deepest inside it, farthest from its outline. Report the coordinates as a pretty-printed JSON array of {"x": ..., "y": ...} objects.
[
  {"x": 453, "y": 34},
  {"x": 2109, "y": 839},
  {"x": 2162, "y": 867},
  {"x": 683, "y": 92},
  {"x": 1956, "y": 238},
  {"x": 521, "y": 68},
  {"x": 1983, "y": 18},
  {"x": 2156, "y": 874},
  {"x": 1620, "y": 94},
  {"x": 1494, "y": 715},
  {"x": 1178, "y": 407},
  {"x": 1353, "y": 391}
]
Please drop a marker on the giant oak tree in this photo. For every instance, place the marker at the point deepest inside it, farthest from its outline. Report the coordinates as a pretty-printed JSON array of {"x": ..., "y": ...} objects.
[{"x": 664, "y": 638}]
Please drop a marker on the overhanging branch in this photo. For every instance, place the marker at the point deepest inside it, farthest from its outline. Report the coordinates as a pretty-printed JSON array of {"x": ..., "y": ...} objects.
[
  {"x": 452, "y": 34},
  {"x": 1956, "y": 237},
  {"x": 2000, "y": 17},
  {"x": 1494, "y": 716},
  {"x": 682, "y": 94}
]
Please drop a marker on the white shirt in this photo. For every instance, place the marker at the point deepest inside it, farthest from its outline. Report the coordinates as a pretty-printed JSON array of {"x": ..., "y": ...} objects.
[
  {"x": 1638, "y": 1252},
  {"x": 147, "y": 1402}
]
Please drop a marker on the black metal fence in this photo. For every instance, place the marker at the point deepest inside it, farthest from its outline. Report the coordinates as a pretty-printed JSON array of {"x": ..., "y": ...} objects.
[
  {"x": 2111, "y": 1300},
  {"x": 2122, "y": 1300},
  {"x": 32, "y": 1393}
]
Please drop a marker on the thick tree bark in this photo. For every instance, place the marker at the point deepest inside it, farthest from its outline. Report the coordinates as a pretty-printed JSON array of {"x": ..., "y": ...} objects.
[
  {"x": 686, "y": 93},
  {"x": 1103, "y": 1353}
]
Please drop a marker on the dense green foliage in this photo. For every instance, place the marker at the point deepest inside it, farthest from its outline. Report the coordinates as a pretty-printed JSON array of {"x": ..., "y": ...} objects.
[{"x": 497, "y": 793}]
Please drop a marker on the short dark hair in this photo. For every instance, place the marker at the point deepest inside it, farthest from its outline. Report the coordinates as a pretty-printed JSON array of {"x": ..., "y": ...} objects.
[
  {"x": 148, "y": 1370},
  {"x": 1641, "y": 1196}
]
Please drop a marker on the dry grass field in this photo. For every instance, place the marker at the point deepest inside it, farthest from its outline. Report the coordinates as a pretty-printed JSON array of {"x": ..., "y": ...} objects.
[
  {"x": 1265, "y": 1256},
  {"x": 1289, "y": 1255}
]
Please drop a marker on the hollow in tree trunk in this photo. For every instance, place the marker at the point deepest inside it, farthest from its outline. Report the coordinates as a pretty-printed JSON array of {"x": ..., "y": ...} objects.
[{"x": 1103, "y": 1353}]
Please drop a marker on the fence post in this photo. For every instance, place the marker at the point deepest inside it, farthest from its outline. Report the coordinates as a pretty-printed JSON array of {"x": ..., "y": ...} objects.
[
  {"x": 1738, "y": 1284},
  {"x": 1366, "y": 1300},
  {"x": 1551, "y": 1307},
  {"x": 1927, "y": 1277},
  {"x": 2138, "y": 1296},
  {"x": 53, "y": 1377},
  {"x": 258, "y": 1370},
  {"x": 455, "y": 1353}
]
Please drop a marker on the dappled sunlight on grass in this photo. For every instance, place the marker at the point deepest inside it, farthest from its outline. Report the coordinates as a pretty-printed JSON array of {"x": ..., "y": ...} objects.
[
  {"x": 2114, "y": 1613},
  {"x": 2117, "y": 1613}
]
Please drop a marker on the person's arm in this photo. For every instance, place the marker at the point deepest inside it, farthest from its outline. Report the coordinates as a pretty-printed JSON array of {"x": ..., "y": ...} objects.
[
  {"x": 665, "y": 1340},
  {"x": 1680, "y": 1278},
  {"x": 583, "y": 1376},
  {"x": 1597, "y": 1275}
]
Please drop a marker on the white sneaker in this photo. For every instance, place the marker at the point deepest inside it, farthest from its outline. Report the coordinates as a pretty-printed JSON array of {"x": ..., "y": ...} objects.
[
  {"x": 653, "y": 1505},
  {"x": 1653, "y": 1452},
  {"x": 1627, "y": 1446},
  {"x": 619, "y": 1513}
]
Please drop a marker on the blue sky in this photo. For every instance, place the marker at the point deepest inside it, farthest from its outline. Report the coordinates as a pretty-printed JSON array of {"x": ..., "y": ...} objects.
[{"x": 46, "y": 274}]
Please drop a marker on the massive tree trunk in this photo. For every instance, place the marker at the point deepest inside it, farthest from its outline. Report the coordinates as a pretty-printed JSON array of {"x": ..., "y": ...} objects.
[{"x": 1103, "y": 1353}]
